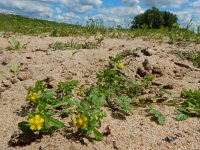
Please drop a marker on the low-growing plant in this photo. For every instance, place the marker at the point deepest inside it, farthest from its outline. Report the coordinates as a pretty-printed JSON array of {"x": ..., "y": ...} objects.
[
  {"x": 15, "y": 44},
  {"x": 147, "y": 80},
  {"x": 193, "y": 56},
  {"x": 190, "y": 105},
  {"x": 76, "y": 45},
  {"x": 14, "y": 68},
  {"x": 157, "y": 115}
]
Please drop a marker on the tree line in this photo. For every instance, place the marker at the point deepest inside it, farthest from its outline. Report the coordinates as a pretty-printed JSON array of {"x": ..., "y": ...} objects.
[{"x": 154, "y": 18}]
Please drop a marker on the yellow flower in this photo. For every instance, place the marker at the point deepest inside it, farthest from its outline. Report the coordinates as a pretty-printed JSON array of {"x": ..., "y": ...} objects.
[
  {"x": 33, "y": 96},
  {"x": 121, "y": 66},
  {"x": 80, "y": 121},
  {"x": 36, "y": 122}
]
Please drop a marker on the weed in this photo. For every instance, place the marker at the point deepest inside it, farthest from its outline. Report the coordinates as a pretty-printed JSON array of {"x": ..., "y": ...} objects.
[
  {"x": 190, "y": 105},
  {"x": 159, "y": 116},
  {"x": 76, "y": 45},
  {"x": 14, "y": 68},
  {"x": 193, "y": 56},
  {"x": 15, "y": 44}
]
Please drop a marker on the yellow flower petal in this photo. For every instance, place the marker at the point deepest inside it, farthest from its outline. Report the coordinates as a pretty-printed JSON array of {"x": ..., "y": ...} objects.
[
  {"x": 80, "y": 121},
  {"x": 32, "y": 127},
  {"x": 41, "y": 120},
  {"x": 85, "y": 119},
  {"x": 37, "y": 117},
  {"x": 31, "y": 120},
  {"x": 39, "y": 127}
]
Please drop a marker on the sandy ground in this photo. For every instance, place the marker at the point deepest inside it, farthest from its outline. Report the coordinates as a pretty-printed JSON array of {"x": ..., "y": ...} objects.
[{"x": 136, "y": 132}]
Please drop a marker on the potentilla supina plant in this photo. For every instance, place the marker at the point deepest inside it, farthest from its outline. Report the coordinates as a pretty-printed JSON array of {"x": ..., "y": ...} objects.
[
  {"x": 36, "y": 122},
  {"x": 80, "y": 121},
  {"x": 33, "y": 96}
]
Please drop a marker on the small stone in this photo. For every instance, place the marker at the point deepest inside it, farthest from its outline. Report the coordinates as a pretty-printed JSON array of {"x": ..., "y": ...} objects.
[
  {"x": 141, "y": 72},
  {"x": 115, "y": 146},
  {"x": 28, "y": 57},
  {"x": 170, "y": 138},
  {"x": 6, "y": 83},
  {"x": 147, "y": 52},
  {"x": 147, "y": 65},
  {"x": 24, "y": 75},
  {"x": 157, "y": 70},
  {"x": 168, "y": 86},
  {"x": 14, "y": 80},
  {"x": 156, "y": 83}
]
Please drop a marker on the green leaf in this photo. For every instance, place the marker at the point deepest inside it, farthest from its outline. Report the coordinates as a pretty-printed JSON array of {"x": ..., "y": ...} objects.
[
  {"x": 181, "y": 117},
  {"x": 124, "y": 103},
  {"x": 14, "y": 68},
  {"x": 56, "y": 123},
  {"x": 159, "y": 116},
  {"x": 24, "y": 126},
  {"x": 15, "y": 43},
  {"x": 98, "y": 135},
  {"x": 64, "y": 113}
]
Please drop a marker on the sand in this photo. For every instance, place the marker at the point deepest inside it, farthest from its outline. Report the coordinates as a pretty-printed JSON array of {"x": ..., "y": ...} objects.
[{"x": 135, "y": 132}]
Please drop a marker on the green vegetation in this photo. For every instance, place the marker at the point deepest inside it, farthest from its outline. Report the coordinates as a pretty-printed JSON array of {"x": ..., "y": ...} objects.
[
  {"x": 14, "y": 68},
  {"x": 190, "y": 105},
  {"x": 193, "y": 56},
  {"x": 15, "y": 44},
  {"x": 154, "y": 18},
  {"x": 156, "y": 114},
  {"x": 18, "y": 24},
  {"x": 76, "y": 45},
  {"x": 85, "y": 105}
]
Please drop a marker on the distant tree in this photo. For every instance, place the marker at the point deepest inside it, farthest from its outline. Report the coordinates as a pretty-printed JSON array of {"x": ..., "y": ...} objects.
[{"x": 154, "y": 18}]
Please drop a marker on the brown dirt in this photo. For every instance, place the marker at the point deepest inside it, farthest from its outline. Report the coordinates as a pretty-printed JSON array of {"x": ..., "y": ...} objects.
[{"x": 137, "y": 131}]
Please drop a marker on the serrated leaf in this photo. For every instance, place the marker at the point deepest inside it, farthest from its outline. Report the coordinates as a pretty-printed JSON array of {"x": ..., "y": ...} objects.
[
  {"x": 24, "y": 126},
  {"x": 181, "y": 117},
  {"x": 56, "y": 123},
  {"x": 159, "y": 116},
  {"x": 98, "y": 135},
  {"x": 124, "y": 103}
]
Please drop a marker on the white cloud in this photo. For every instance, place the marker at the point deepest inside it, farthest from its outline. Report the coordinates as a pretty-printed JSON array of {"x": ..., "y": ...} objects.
[
  {"x": 69, "y": 17},
  {"x": 195, "y": 4},
  {"x": 72, "y": 11},
  {"x": 79, "y": 6},
  {"x": 118, "y": 15},
  {"x": 27, "y": 7},
  {"x": 131, "y": 2},
  {"x": 165, "y": 3},
  {"x": 183, "y": 16}
]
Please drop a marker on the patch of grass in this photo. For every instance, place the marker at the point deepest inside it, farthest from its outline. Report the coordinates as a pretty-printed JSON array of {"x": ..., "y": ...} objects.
[
  {"x": 15, "y": 44},
  {"x": 30, "y": 26},
  {"x": 76, "y": 45},
  {"x": 190, "y": 105},
  {"x": 193, "y": 56}
]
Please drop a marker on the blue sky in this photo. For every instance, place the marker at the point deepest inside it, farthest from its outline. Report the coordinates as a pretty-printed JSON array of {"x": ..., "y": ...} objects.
[{"x": 112, "y": 12}]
